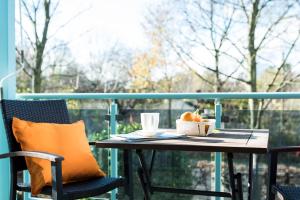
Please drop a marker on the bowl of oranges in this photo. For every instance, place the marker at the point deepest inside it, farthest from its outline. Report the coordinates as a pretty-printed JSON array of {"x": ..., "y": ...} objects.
[{"x": 191, "y": 123}]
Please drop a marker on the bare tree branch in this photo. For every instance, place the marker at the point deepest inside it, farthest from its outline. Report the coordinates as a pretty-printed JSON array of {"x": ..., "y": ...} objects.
[
  {"x": 27, "y": 64},
  {"x": 271, "y": 27},
  {"x": 71, "y": 19},
  {"x": 54, "y": 9},
  {"x": 28, "y": 37},
  {"x": 283, "y": 62},
  {"x": 28, "y": 13},
  {"x": 230, "y": 75},
  {"x": 209, "y": 68},
  {"x": 245, "y": 10},
  {"x": 189, "y": 67}
]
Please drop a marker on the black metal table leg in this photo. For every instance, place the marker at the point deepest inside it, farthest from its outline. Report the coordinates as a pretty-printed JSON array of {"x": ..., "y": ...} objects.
[
  {"x": 231, "y": 175},
  {"x": 272, "y": 165},
  {"x": 128, "y": 173},
  {"x": 143, "y": 183},
  {"x": 239, "y": 186},
  {"x": 144, "y": 174},
  {"x": 250, "y": 177},
  {"x": 152, "y": 161}
]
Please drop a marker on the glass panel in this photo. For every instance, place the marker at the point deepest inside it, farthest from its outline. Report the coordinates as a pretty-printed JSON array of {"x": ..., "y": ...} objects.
[
  {"x": 283, "y": 123},
  {"x": 194, "y": 170}
]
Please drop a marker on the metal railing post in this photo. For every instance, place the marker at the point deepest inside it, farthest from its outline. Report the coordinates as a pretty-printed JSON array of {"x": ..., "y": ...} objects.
[
  {"x": 26, "y": 177},
  {"x": 114, "y": 152},
  {"x": 7, "y": 65},
  {"x": 218, "y": 155}
]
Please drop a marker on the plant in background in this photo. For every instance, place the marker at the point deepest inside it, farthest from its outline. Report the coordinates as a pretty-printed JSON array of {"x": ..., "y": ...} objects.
[
  {"x": 102, "y": 135},
  {"x": 122, "y": 128},
  {"x": 127, "y": 128}
]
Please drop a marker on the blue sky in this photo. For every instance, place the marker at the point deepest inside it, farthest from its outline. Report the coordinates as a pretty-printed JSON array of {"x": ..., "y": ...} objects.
[
  {"x": 105, "y": 23},
  {"x": 101, "y": 23}
]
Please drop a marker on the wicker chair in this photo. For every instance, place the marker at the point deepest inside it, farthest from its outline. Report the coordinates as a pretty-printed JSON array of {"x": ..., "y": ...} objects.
[
  {"x": 52, "y": 111},
  {"x": 283, "y": 192}
]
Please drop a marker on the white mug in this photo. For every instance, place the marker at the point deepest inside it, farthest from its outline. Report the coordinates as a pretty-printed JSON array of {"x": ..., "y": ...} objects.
[{"x": 150, "y": 122}]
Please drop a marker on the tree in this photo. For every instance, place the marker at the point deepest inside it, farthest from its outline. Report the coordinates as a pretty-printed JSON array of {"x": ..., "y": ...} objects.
[
  {"x": 141, "y": 73},
  {"x": 262, "y": 34},
  {"x": 203, "y": 41},
  {"x": 43, "y": 51},
  {"x": 155, "y": 69},
  {"x": 107, "y": 71},
  {"x": 238, "y": 35}
]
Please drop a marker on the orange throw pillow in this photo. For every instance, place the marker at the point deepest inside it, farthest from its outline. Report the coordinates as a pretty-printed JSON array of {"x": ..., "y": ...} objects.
[{"x": 67, "y": 140}]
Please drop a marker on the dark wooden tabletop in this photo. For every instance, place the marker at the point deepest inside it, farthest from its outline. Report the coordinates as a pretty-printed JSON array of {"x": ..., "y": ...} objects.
[{"x": 225, "y": 140}]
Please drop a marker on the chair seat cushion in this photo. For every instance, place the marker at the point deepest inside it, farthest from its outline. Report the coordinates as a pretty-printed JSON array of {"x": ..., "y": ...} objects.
[
  {"x": 83, "y": 189},
  {"x": 287, "y": 192},
  {"x": 88, "y": 188},
  {"x": 67, "y": 140}
]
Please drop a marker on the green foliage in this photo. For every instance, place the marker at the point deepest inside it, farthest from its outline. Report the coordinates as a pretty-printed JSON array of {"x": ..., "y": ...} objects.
[
  {"x": 127, "y": 128},
  {"x": 102, "y": 135},
  {"x": 122, "y": 128}
]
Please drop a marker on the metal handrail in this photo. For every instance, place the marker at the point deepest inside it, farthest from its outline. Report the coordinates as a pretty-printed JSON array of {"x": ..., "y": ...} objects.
[
  {"x": 221, "y": 95},
  {"x": 217, "y": 97}
]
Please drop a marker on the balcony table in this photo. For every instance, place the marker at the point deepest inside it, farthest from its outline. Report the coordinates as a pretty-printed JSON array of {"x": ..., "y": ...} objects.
[{"x": 230, "y": 141}]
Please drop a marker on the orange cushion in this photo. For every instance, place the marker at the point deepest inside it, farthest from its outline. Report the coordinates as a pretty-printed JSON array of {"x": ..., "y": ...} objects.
[{"x": 67, "y": 140}]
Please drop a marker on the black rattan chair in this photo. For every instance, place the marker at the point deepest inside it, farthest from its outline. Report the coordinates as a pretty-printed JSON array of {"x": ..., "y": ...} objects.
[
  {"x": 52, "y": 111},
  {"x": 284, "y": 192}
]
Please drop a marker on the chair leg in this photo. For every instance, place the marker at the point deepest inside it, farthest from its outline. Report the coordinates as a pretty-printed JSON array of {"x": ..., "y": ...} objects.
[
  {"x": 57, "y": 187},
  {"x": 13, "y": 186},
  {"x": 13, "y": 181}
]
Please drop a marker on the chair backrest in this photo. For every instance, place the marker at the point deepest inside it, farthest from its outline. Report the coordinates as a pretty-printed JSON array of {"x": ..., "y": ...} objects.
[{"x": 51, "y": 111}]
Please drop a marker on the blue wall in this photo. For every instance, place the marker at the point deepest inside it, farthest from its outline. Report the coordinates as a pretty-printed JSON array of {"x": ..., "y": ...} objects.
[{"x": 7, "y": 65}]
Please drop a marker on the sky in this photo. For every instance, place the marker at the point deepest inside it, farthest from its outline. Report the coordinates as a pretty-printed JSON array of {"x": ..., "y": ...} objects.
[
  {"x": 96, "y": 25},
  {"x": 102, "y": 24}
]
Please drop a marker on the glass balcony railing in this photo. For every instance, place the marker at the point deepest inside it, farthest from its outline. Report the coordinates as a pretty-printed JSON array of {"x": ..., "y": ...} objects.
[{"x": 189, "y": 169}]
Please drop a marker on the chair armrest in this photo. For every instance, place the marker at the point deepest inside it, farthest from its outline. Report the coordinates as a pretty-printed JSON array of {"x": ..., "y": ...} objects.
[
  {"x": 33, "y": 154},
  {"x": 56, "y": 167},
  {"x": 92, "y": 143},
  {"x": 285, "y": 149}
]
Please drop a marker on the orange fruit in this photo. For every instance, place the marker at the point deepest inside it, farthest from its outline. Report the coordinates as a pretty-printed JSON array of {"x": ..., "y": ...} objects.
[
  {"x": 187, "y": 116},
  {"x": 197, "y": 118}
]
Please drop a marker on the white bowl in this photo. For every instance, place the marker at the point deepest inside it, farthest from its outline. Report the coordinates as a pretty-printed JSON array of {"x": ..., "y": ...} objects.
[{"x": 195, "y": 128}]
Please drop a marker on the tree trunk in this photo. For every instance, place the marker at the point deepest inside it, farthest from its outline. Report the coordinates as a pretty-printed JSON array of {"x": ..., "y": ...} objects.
[
  {"x": 40, "y": 47},
  {"x": 37, "y": 83},
  {"x": 218, "y": 86},
  {"x": 252, "y": 61},
  {"x": 252, "y": 50},
  {"x": 170, "y": 113}
]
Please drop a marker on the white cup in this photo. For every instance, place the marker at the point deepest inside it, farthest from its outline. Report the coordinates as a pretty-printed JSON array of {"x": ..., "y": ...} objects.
[{"x": 150, "y": 122}]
